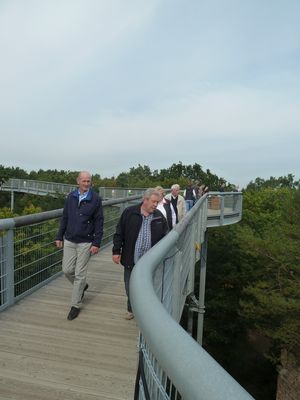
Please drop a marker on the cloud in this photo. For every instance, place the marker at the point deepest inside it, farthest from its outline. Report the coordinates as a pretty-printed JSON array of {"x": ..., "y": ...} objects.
[
  {"x": 113, "y": 84},
  {"x": 237, "y": 113},
  {"x": 47, "y": 46}
]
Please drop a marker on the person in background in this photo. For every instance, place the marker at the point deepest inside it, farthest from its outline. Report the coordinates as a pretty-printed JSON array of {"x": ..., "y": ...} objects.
[
  {"x": 166, "y": 208},
  {"x": 205, "y": 190},
  {"x": 177, "y": 202},
  {"x": 196, "y": 188},
  {"x": 80, "y": 234},
  {"x": 222, "y": 187},
  {"x": 140, "y": 227},
  {"x": 200, "y": 191},
  {"x": 189, "y": 195}
]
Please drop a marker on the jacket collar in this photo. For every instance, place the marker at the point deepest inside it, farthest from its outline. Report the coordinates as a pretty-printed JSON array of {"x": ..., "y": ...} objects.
[{"x": 75, "y": 193}]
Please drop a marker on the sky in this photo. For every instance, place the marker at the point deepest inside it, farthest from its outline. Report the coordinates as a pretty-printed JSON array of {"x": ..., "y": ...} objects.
[{"x": 106, "y": 85}]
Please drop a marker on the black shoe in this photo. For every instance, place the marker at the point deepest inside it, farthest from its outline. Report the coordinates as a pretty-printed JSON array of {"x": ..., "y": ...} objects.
[
  {"x": 85, "y": 288},
  {"x": 73, "y": 313}
]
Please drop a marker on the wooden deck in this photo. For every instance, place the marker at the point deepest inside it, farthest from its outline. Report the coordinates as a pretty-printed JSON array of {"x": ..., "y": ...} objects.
[{"x": 43, "y": 356}]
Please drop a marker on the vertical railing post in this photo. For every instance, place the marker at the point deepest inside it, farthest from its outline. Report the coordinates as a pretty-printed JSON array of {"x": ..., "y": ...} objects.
[
  {"x": 12, "y": 200},
  {"x": 10, "y": 268},
  {"x": 192, "y": 259},
  {"x": 176, "y": 293},
  {"x": 202, "y": 290},
  {"x": 222, "y": 209}
]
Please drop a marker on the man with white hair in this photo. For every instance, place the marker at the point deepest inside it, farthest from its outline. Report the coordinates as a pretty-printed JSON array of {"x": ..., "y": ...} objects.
[
  {"x": 140, "y": 227},
  {"x": 177, "y": 202}
]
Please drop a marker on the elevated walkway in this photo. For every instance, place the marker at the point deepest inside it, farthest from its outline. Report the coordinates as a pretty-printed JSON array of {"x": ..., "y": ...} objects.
[
  {"x": 42, "y": 188},
  {"x": 43, "y": 356},
  {"x": 36, "y": 187}
]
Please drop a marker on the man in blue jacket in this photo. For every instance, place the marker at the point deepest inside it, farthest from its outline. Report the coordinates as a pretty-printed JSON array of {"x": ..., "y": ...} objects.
[
  {"x": 80, "y": 235},
  {"x": 140, "y": 227}
]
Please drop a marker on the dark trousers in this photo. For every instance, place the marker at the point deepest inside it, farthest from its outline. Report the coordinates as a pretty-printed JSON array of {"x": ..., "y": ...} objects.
[{"x": 127, "y": 273}]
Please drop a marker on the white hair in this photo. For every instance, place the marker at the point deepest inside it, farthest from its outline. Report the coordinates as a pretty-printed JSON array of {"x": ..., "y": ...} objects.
[
  {"x": 151, "y": 192},
  {"x": 175, "y": 186},
  {"x": 84, "y": 173}
]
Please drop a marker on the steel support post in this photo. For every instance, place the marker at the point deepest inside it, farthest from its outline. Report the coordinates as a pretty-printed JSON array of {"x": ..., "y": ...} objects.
[
  {"x": 202, "y": 290},
  {"x": 12, "y": 196},
  {"x": 10, "y": 266}
]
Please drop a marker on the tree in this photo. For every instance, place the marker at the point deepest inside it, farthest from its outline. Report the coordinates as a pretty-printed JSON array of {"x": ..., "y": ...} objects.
[
  {"x": 271, "y": 300},
  {"x": 252, "y": 290},
  {"x": 287, "y": 181}
]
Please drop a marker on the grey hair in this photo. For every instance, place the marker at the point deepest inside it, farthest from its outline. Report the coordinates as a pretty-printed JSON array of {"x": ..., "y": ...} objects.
[
  {"x": 151, "y": 192},
  {"x": 159, "y": 189},
  {"x": 175, "y": 186},
  {"x": 84, "y": 173}
]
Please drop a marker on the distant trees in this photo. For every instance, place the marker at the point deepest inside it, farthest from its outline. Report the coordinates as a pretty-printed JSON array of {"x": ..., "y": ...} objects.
[
  {"x": 253, "y": 291},
  {"x": 287, "y": 181},
  {"x": 59, "y": 176},
  {"x": 142, "y": 176},
  {"x": 269, "y": 240}
]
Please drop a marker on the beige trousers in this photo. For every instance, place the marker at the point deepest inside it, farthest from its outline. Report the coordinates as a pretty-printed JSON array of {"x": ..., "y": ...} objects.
[{"x": 74, "y": 265}]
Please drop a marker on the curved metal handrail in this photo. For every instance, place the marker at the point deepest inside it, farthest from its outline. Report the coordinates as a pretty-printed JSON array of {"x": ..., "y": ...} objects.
[{"x": 193, "y": 372}]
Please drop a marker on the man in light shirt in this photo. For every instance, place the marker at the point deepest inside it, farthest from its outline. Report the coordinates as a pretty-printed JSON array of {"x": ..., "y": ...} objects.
[{"x": 177, "y": 202}]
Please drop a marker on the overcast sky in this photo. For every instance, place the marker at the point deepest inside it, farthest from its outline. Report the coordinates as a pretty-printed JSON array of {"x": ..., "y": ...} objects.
[{"x": 107, "y": 85}]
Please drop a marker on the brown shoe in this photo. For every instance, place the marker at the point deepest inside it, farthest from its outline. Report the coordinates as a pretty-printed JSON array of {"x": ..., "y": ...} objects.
[{"x": 129, "y": 316}]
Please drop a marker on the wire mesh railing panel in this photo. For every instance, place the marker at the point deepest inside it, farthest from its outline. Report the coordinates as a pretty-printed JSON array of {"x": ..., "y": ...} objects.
[
  {"x": 107, "y": 193},
  {"x": 3, "y": 270},
  {"x": 159, "y": 386},
  {"x": 35, "y": 257},
  {"x": 28, "y": 255},
  {"x": 230, "y": 202},
  {"x": 185, "y": 244},
  {"x": 165, "y": 274},
  {"x": 38, "y": 187},
  {"x": 163, "y": 281},
  {"x": 111, "y": 218}
]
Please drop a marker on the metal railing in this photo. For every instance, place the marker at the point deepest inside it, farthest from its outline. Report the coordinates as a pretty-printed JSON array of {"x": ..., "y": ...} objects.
[
  {"x": 28, "y": 256},
  {"x": 172, "y": 364},
  {"x": 51, "y": 188},
  {"x": 117, "y": 192},
  {"x": 37, "y": 187}
]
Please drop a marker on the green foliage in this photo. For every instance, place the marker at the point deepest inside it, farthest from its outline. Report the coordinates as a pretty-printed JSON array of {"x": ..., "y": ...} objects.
[
  {"x": 142, "y": 176},
  {"x": 271, "y": 301},
  {"x": 36, "y": 258},
  {"x": 12, "y": 172},
  {"x": 287, "y": 181},
  {"x": 31, "y": 209},
  {"x": 6, "y": 213},
  {"x": 254, "y": 273},
  {"x": 252, "y": 288}
]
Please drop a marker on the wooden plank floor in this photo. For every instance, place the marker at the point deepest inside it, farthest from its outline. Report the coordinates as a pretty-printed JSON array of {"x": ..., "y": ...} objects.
[{"x": 43, "y": 356}]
